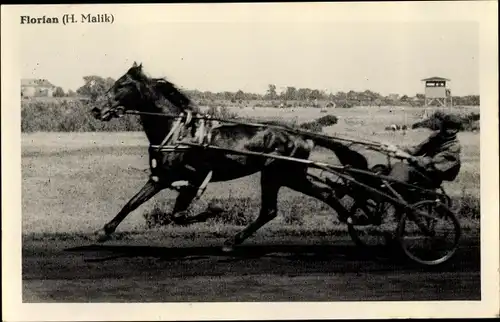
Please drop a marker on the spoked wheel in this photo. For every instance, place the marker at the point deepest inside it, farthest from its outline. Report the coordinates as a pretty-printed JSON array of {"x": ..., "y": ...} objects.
[
  {"x": 381, "y": 169},
  {"x": 372, "y": 224},
  {"x": 430, "y": 234}
]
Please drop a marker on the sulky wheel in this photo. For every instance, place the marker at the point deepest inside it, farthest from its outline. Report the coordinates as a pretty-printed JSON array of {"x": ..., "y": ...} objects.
[
  {"x": 429, "y": 234},
  {"x": 371, "y": 224},
  {"x": 447, "y": 201},
  {"x": 381, "y": 169}
]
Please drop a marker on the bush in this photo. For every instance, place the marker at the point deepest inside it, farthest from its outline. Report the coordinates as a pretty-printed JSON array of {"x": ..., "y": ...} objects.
[
  {"x": 312, "y": 126},
  {"x": 240, "y": 211},
  {"x": 318, "y": 124},
  {"x": 294, "y": 216},
  {"x": 59, "y": 92},
  {"x": 69, "y": 116},
  {"x": 221, "y": 113},
  {"x": 157, "y": 217},
  {"x": 474, "y": 127},
  {"x": 470, "y": 122},
  {"x": 73, "y": 115},
  {"x": 327, "y": 120},
  {"x": 232, "y": 211},
  {"x": 468, "y": 206}
]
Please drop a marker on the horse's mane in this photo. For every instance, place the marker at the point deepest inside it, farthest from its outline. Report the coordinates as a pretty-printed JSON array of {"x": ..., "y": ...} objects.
[
  {"x": 171, "y": 93},
  {"x": 157, "y": 88}
]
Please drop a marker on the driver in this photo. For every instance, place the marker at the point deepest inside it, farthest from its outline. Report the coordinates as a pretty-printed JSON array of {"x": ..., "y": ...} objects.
[{"x": 434, "y": 160}]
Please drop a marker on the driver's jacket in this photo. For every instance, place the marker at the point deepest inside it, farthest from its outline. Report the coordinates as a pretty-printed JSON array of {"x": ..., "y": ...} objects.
[{"x": 439, "y": 156}]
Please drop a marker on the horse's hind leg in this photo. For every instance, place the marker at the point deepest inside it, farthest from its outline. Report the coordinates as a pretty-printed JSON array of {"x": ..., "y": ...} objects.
[
  {"x": 150, "y": 189},
  {"x": 307, "y": 185},
  {"x": 182, "y": 203},
  {"x": 270, "y": 186}
]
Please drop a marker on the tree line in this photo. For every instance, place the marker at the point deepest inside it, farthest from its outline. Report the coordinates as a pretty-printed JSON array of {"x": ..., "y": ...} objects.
[{"x": 96, "y": 85}]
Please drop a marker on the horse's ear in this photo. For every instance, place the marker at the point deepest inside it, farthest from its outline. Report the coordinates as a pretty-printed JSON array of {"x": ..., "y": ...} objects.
[
  {"x": 134, "y": 65},
  {"x": 140, "y": 66}
]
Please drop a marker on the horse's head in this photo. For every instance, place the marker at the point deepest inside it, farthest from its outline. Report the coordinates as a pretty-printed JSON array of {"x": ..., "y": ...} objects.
[
  {"x": 136, "y": 91},
  {"x": 125, "y": 94}
]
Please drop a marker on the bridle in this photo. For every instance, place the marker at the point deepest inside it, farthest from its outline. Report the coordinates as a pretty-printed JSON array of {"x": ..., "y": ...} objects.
[
  {"x": 183, "y": 121},
  {"x": 116, "y": 109}
]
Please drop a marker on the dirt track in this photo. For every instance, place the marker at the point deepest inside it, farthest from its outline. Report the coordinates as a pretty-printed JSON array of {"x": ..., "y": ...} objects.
[
  {"x": 72, "y": 185},
  {"x": 291, "y": 269}
]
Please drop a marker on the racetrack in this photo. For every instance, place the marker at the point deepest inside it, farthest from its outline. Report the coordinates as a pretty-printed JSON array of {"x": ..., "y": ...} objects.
[
  {"x": 74, "y": 183},
  {"x": 263, "y": 269}
]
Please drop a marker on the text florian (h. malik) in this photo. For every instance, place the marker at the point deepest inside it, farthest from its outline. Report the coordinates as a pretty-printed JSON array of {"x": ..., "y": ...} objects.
[{"x": 69, "y": 18}]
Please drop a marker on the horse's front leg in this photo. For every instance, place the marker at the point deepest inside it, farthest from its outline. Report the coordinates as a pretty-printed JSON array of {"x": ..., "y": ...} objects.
[
  {"x": 150, "y": 189},
  {"x": 187, "y": 193},
  {"x": 270, "y": 186}
]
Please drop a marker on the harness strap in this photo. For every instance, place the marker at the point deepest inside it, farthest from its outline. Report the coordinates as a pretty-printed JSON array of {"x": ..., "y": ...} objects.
[
  {"x": 175, "y": 130},
  {"x": 294, "y": 150},
  {"x": 204, "y": 184},
  {"x": 201, "y": 132},
  {"x": 209, "y": 134},
  {"x": 189, "y": 117}
]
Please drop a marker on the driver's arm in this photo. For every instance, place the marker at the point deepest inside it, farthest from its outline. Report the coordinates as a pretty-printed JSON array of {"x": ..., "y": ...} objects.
[
  {"x": 442, "y": 162},
  {"x": 420, "y": 149}
]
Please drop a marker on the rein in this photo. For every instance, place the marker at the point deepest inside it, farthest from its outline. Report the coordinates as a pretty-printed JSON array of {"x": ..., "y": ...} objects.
[
  {"x": 373, "y": 144},
  {"x": 183, "y": 121},
  {"x": 203, "y": 138}
]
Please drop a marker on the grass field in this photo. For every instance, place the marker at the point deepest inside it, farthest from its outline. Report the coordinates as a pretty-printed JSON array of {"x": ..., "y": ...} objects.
[{"x": 76, "y": 182}]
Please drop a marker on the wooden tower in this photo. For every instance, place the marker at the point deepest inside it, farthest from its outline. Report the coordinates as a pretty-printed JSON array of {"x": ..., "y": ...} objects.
[{"x": 436, "y": 91}]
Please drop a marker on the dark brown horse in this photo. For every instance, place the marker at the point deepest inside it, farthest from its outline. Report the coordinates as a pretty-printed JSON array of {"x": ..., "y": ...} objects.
[{"x": 135, "y": 91}]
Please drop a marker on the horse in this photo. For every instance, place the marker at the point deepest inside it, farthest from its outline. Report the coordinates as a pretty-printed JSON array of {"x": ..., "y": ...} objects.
[{"x": 135, "y": 91}]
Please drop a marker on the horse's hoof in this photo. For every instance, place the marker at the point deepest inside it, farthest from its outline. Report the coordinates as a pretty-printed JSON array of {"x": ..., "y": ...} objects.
[
  {"x": 227, "y": 249},
  {"x": 102, "y": 236},
  {"x": 389, "y": 239},
  {"x": 179, "y": 220},
  {"x": 228, "y": 246}
]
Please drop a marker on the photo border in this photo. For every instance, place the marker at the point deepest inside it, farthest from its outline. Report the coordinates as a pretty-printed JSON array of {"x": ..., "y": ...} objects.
[{"x": 484, "y": 12}]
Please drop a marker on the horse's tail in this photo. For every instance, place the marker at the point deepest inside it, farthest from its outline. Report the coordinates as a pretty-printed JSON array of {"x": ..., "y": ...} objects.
[{"x": 346, "y": 155}]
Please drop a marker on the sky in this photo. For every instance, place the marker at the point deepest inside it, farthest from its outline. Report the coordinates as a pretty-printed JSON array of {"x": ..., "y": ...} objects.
[{"x": 228, "y": 55}]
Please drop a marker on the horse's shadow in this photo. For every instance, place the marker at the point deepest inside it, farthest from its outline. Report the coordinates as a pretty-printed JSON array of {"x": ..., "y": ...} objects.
[
  {"x": 296, "y": 252},
  {"x": 307, "y": 253}
]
